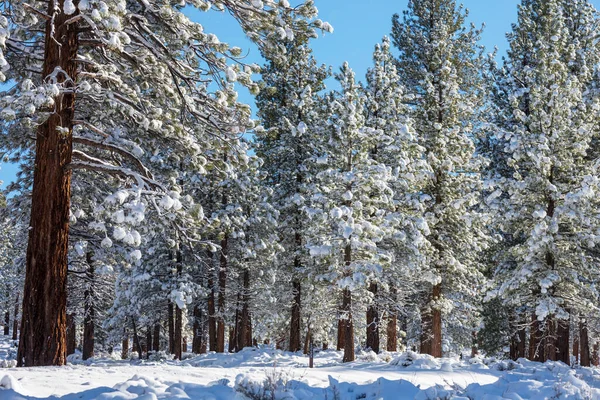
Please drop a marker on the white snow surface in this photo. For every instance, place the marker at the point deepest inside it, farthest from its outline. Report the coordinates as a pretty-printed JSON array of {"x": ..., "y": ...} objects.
[{"x": 266, "y": 373}]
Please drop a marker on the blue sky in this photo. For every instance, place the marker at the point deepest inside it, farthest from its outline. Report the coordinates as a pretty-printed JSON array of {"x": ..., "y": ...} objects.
[{"x": 358, "y": 26}]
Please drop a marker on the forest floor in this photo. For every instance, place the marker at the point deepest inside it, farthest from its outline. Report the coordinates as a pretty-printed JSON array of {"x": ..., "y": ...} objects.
[{"x": 266, "y": 373}]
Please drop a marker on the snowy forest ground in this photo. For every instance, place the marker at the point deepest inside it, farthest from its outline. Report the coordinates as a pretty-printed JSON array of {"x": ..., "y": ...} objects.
[{"x": 266, "y": 373}]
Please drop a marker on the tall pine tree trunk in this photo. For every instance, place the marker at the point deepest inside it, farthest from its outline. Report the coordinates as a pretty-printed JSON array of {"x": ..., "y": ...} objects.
[
  {"x": 550, "y": 339},
  {"x": 198, "y": 340},
  {"x": 373, "y": 321},
  {"x": 221, "y": 296},
  {"x": 392, "y": 331},
  {"x": 71, "y": 334},
  {"x": 44, "y": 321},
  {"x": 536, "y": 349},
  {"x": 340, "y": 334},
  {"x": 562, "y": 341},
  {"x": 584, "y": 344},
  {"x": 296, "y": 313},
  {"x": 347, "y": 310},
  {"x": 576, "y": 347},
  {"x": 125, "y": 349},
  {"x": 89, "y": 310},
  {"x": 15, "y": 328},
  {"x": 348, "y": 326},
  {"x": 212, "y": 320}
]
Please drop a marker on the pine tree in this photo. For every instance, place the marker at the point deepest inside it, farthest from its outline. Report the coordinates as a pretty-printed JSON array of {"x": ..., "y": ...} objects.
[
  {"x": 287, "y": 108},
  {"x": 546, "y": 112},
  {"x": 397, "y": 146},
  {"x": 134, "y": 73},
  {"x": 440, "y": 63}
]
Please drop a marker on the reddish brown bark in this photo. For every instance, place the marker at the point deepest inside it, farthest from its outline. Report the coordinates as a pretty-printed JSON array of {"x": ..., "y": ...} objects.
[
  {"x": 373, "y": 321},
  {"x": 392, "y": 331},
  {"x": 44, "y": 321},
  {"x": 536, "y": 349},
  {"x": 125, "y": 349},
  {"x": 562, "y": 341},
  {"x": 584, "y": 344},
  {"x": 340, "y": 335}
]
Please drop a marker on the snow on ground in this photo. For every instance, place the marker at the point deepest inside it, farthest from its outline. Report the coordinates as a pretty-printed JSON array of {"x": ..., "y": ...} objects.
[{"x": 266, "y": 373}]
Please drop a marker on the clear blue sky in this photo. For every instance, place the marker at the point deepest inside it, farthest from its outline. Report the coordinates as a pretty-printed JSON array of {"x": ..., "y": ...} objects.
[{"x": 358, "y": 26}]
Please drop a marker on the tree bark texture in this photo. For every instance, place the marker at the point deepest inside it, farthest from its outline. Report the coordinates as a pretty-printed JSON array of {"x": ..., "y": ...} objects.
[
  {"x": 562, "y": 341},
  {"x": 71, "y": 341},
  {"x": 44, "y": 320},
  {"x": 392, "y": 331},
  {"x": 89, "y": 310},
  {"x": 373, "y": 321},
  {"x": 584, "y": 344},
  {"x": 156, "y": 337}
]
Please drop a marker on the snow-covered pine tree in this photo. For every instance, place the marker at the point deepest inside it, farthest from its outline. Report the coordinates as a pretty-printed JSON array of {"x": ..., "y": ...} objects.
[
  {"x": 117, "y": 77},
  {"x": 354, "y": 199},
  {"x": 288, "y": 112},
  {"x": 440, "y": 63},
  {"x": 396, "y": 145},
  {"x": 547, "y": 115}
]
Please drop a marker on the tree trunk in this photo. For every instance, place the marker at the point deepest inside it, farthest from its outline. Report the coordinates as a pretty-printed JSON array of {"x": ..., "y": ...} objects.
[
  {"x": 522, "y": 335},
  {"x": 576, "y": 347},
  {"x": 198, "y": 339},
  {"x": 536, "y": 350},
  {"x": 307, "y": 340},
  {"x": 474, "y": 349},
  {"x": 171, "y": 324},
  {"x": 296, "y": 313},
  {"x": 44, "y": 321},
  {"x": 340, "y": 334},
  {"x": 232, "y": 338},
  {"x": 125, "y": 349},
  {"x": 212, "y": 320},
  {"x": 348, "y": 326},
  {"x": 89, "y": 310},
  {"x": 156, "y": 338},
  {"x": 373, "y": 321},
  {"x": 7, "y": 323},
  {"x": 71, "y": 334},
  {"x": 177, "y": 336},
  {"x": 584, "y": 344},
  {"x": 221, "y": 296},
  {"x": 562, "y": 341},
  {"x": 392, "y": 331},
  {"x": 244, "y": 334},
  {"x": 15, "y": 333}
]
